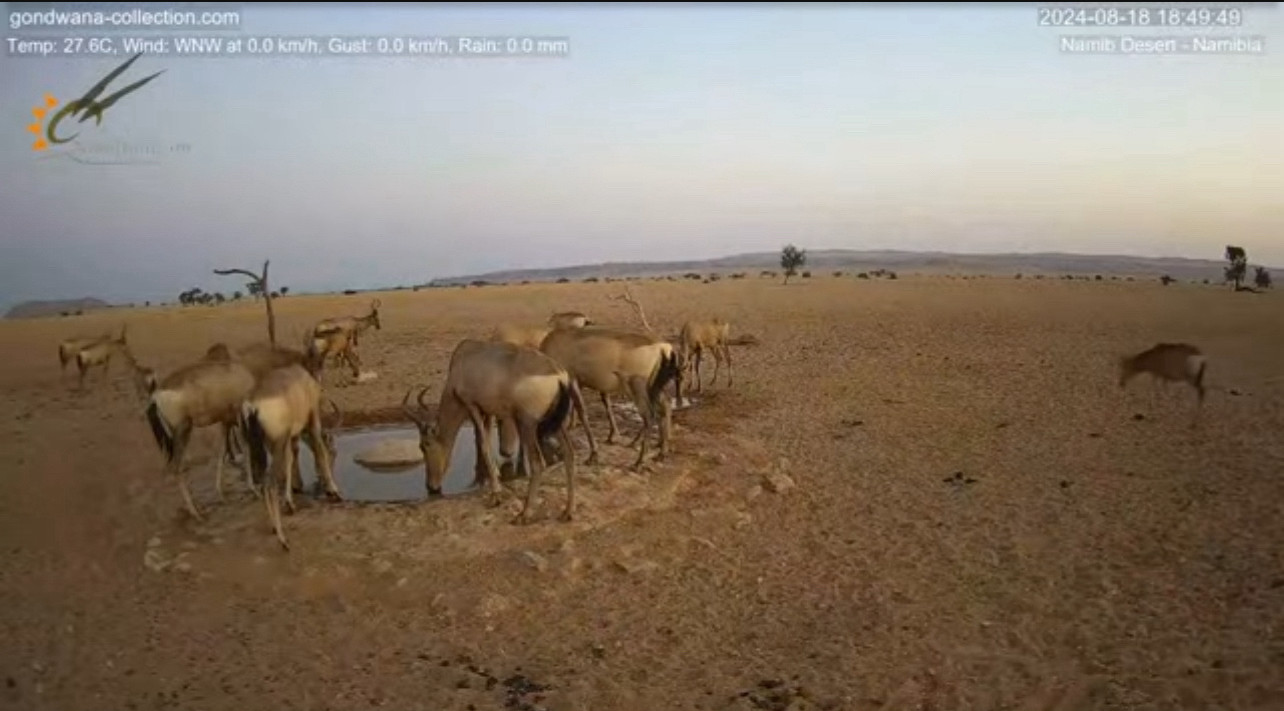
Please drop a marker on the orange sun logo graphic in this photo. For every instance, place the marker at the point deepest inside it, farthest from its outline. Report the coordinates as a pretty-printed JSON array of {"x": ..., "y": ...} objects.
[{"x": 36, "y": 128}]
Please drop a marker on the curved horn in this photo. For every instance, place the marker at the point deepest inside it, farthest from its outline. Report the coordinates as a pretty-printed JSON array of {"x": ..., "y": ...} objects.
[
  {"x": 422, "y": 391},
  {"x": 412, "y": 414},
  {"x": 338, "y": 414}
]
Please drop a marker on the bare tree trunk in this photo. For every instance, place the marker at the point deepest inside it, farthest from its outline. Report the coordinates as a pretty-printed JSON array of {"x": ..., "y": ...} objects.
[{"x": 262, "y": 281}]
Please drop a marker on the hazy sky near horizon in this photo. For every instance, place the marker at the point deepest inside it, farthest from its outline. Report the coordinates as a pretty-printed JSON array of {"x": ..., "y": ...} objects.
[{"x": 667, "y": 133}]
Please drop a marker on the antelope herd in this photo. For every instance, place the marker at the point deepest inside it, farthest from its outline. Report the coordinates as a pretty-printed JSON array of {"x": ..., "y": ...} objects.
[{"x": 523, "y": 382}]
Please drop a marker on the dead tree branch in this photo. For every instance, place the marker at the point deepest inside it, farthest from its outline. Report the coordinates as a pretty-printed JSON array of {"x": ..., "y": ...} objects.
[
  {"x": 627, "y": 297},
  {"x": 261, "y": 280}
]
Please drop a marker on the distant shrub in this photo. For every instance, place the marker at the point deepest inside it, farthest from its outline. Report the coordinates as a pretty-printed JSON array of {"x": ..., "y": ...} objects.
[
  {"x": 806, "y": 275},
  {"x": 1166, "y": 280},
  {"x": 1097, "y": 278},
  {"x": 591, "y": 280},
  {"x": 563, "y": 280},
  {"x": 838, "y": 274},
  {"x": 1205, "y": 281},
  {"x": 891, "y": 275},
  {"x": 1018, "y": 276},
  {"x": 349, "y": 292},
  {"x": 1129, "y": 279},
  {"x": 862, "y": 275}
]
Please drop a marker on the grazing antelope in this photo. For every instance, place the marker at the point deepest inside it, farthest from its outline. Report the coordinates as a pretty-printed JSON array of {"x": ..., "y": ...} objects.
[
  {"x": 100, "y": 354},
  {"x": 610, "y": 361},
  {"x": 569, "y": 319},
  {"x": 487, "y": 379},
  {"x": 68, "y": 349},
  {"x": 529, "y": 336},
  {"x": 1167, "y": 362},
  {"x": 262, "y": 358},
  {"x": 533, "y": 336},
  {"x": 695, "y": 337},
  {"x": 198, "y": 395},
  {"x": 284, "y": 407}
]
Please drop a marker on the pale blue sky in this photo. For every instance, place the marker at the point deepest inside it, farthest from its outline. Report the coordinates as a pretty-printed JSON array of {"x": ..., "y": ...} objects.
[{"x": 668, "y": 133}]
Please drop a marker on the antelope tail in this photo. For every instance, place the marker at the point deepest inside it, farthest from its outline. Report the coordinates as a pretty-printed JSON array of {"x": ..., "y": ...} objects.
[
  {"x": 667, "y": 373},
  {"x": 164, "y": 438},
  {"x": 556, "y": 415},
  {"x": 255, "y": 440}
]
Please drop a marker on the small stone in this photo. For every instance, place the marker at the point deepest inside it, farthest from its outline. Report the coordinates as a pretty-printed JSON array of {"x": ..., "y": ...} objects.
[
  {"x": 535, "y": 560},
  {"x": 635, "y": 567},
  {"x": 154, "y": 542},
  {"x": 742, "y": 519},
  {"x": 778, "y": 483},
  {"x": 154, "y": 561},
  {"x": 391, "y": 452},
  {"x": 183, "y": 566},
  {"x": 403, "y": 582},
  {"x": 382, "y": 566},
  {"x": 493, "y": 604},
  {"x": 37, "y": 667},
  {"x": 754, "y": 492}
]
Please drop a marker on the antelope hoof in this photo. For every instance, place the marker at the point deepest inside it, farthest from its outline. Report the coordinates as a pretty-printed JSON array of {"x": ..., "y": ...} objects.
[
  {"x": 196, "y": 515},
  {"x": 522, "y": 519},
  {"x": 334, "y": 496},
  {"x": 494, "y": 499},
  {"x": 566, "y": 516},
  {"x": 610, "y": 439},
  {"x": 592, "y": 459}
]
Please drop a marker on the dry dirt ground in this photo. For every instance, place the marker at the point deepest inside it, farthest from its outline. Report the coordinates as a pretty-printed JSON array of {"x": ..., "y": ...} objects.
[{"x": 1092, "y": 552}]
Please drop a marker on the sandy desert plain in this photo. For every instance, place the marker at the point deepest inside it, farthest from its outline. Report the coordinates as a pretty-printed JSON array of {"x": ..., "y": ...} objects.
[{"x": 1095, "y": 552}]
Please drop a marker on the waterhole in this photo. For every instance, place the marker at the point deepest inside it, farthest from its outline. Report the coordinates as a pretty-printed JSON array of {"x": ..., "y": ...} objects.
[{"x": 396, "y": 482}]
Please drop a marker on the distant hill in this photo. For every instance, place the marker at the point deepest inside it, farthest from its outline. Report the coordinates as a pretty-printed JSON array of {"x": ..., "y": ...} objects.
[
  {"x": 909, "y": 262},
  {"x": 38, "y": 309}
]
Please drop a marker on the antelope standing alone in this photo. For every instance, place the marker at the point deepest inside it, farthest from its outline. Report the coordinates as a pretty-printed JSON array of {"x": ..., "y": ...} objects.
[
  {"x": 68, "y": 349},
  {"x": 284, "y": 407},
  {"x": 505, "y": 382},
  {"x": 100, "y": 354},
  {"x": 198, "y": 395},
  {"x": 695, "y": 337},
  {"x": 1167, "y": 362},
  {"x": 354, "y": 325},
  {"x": 339, "y": 337},
  {"x": 610, "y": 361}
]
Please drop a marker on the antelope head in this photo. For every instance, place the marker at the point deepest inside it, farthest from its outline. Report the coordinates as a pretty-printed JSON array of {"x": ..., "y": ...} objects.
[
  {"x": 373, "y": 317},
  {"x": 436, "y": 454}
]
